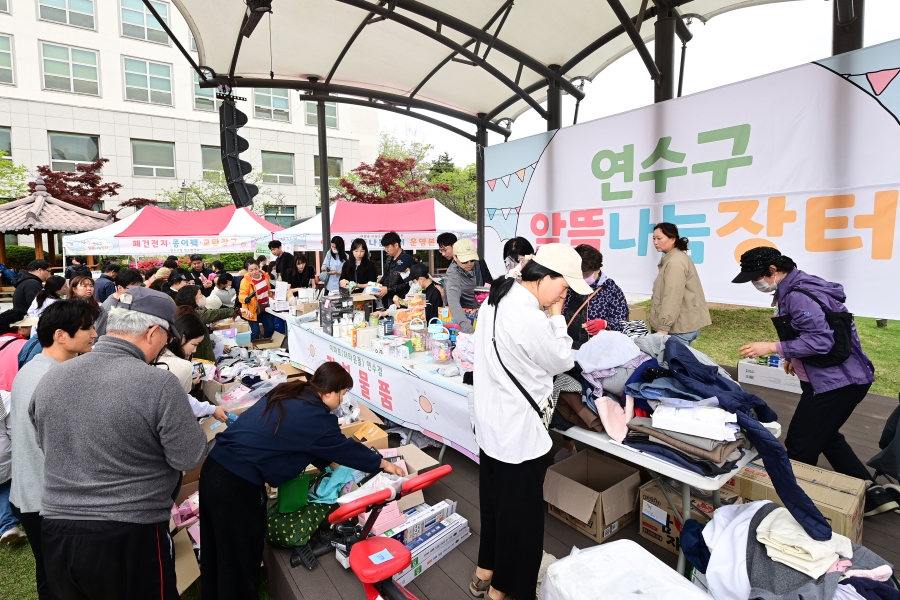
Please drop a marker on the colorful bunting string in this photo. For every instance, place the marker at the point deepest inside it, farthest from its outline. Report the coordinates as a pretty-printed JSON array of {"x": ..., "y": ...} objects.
[
  {"x": 492, "y": 183},
  {"x": 879, "y": 80}
]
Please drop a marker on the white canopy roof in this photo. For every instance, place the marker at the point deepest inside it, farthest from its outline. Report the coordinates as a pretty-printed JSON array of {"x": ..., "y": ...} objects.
[{"x": 424, "y": 50}]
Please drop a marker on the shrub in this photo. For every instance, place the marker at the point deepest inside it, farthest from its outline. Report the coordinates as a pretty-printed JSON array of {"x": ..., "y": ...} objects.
[
  {"x": 18, "y": 256},
  {"x": 234, "y": 262}
]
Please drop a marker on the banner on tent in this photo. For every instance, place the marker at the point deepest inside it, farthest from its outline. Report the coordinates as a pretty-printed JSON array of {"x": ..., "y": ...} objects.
[
  {"x": 402, "y": 397},
  {"x": 144, "y": 246},
  {"x": 410, "y": 240},
  {"x": 803, "y": 160}
]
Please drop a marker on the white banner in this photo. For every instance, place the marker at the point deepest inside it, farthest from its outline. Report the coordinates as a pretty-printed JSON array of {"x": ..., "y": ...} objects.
[
  {"x": 409, "y": 240},
  {"x": 805, "y": 160},
  {"x": 157, "y": 245},
  {"x": 398, "y": 394}
]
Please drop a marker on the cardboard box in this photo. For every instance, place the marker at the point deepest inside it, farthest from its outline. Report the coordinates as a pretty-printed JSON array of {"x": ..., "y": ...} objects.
[
  {"x": 371, "y": 435},
  {"x": 187, "y": 571},
  {"x": 212, "y": 427},
  {"x": 766, "y": 376},
  {"x": 637, "y": 313},
  {"x": 442, "y": 538},
  {"x": 657, "y": 518},
  {"x": 211, "y": 388},
  {"x": 187, "y": 489},
  {"x": 273, "y": 342},
  {"x": 840, "y": 498},
  {"x": 303, "y": 308},
  {"x": 419, "y": 522},
  {"x": 592, "y": 493},
  {"x": 416, "y": 462},
  {"x": 291, "y": 371}
]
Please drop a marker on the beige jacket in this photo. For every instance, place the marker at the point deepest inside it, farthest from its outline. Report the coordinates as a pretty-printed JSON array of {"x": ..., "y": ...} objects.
[{"x": 678, "y": 304}]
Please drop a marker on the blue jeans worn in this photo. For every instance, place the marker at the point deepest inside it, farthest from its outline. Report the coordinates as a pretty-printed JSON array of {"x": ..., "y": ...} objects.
[
  {"x": 267, "y": 321},
  {"x": 7, "y": 519},
  {"x": 686, "y": 338}
]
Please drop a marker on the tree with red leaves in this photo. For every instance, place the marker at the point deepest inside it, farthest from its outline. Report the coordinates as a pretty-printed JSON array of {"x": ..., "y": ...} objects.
[
  {"x": 386, "y": 181},
  {"x": 84, "y": 188}
]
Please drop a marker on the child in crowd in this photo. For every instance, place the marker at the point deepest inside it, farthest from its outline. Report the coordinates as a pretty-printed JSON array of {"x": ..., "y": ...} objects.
[{"x": 418, "y": 273}]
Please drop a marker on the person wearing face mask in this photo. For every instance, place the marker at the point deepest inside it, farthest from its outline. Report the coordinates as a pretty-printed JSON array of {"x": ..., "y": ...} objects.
[
  {"x": 109, "y": 479},
  {"x": 359, "y": 268},
  {"x": 177, "y": 359},
  {"x": 397, "y": 280},
  {"x": 420, "y": 277},
  {"x": 224, "y": 289},
  {"x": 190, "y": 300},
  {"x": 272, "y": 442},
  {"x": 465, "y": 274},
  {"x": 520, "y": 345},
  {"x": 516, "y": 252},
  {"x": 333, "y": 264},
  {"x": 678, "y": 306},
  {"x": 255, "y": 294},
  {"x": 831, "y": 388}
]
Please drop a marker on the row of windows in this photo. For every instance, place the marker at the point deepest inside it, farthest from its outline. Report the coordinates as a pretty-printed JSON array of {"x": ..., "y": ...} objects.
[
  {"x": 136, "y": 19},
  {"x": 157, "y": 159}
]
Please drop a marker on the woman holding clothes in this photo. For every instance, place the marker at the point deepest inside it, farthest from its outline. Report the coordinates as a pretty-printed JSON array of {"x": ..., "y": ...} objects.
[
  {"x": 678, "y": 306},
  {"x": 519, "y": 349},
  {"x": 272, "y": 442},
  {"x": 835, "y": 374},
  {"x": 358, "y": 268}
]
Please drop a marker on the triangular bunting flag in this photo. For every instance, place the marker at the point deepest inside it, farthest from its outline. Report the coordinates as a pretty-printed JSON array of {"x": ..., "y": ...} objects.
[
  {"x": 505, "y": 212},
  {"x": 505, "y": 180},
  {"x": 492, "y": 183},
  {"x": 492, "y": 211},
  {"x": 517, "y": 209},
  {"x": 521, "y": 174},
  {"x": 879, "y": 80}
]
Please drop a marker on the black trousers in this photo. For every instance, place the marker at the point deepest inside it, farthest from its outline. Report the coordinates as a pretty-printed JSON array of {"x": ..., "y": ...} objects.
[
  {"x": 32, "y": 524},
  {"x": 815, "y": 429},
  {"x": 233, "y": 530},
  {"x": 107, "y": 560},
  {"x": 512, "y": 524}
]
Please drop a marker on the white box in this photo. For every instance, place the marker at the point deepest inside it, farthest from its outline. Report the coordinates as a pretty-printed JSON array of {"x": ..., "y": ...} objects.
[
  {"x": 437, "y": 548},
  {"x": 663, "y": 419},
  {"x": 419, "y": 523},
  {"x": 766, "y": 376}
]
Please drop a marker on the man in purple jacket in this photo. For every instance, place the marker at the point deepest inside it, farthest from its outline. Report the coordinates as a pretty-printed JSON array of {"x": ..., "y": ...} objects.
[{"x": 829, "y": 393}]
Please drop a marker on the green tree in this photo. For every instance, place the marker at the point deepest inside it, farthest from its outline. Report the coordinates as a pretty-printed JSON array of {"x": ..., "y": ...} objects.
[
  {"x": 212, "y": 192},
  {"x": 462, "y": 195},
  {"x": 391, "y": 145},
  {"x": 443, "y": 164},
  {"x": 12, "y": 179}
]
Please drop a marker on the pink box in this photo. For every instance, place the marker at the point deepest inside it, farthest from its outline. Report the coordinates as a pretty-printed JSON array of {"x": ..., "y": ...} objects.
[
  {"x": 194, "y": 532},
  {"x": 389, "y": 518}
]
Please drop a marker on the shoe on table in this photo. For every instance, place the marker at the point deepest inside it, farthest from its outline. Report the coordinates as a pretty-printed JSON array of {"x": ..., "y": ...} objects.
[
  {"x": 879, "y": 500},
  {"x": 13, "y": 536}
]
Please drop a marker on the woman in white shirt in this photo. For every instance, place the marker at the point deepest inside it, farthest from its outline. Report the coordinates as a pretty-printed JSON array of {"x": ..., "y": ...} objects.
[
  {"x": 521, "y": 334},
  {"x": 54, "y": 287},
  {"x": 176, "y": 358}
]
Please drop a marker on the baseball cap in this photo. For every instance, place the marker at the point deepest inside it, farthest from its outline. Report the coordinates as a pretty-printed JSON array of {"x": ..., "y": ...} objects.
[
  {"x": 418, "y": 270},
  {"x": 153, "y": 303},
  {"x": 563, "y": 259},
  {"x": 465, "y": 250},
  {"x": 163, "y": 272},
  {"x": 404, "y": 261},
  {"x": 26, "y": 322},
  {"x": 756, "y": 262}
]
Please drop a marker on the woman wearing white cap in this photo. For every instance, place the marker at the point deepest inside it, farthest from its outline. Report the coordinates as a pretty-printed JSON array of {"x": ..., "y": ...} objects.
[{"x": 521, "y": 343}]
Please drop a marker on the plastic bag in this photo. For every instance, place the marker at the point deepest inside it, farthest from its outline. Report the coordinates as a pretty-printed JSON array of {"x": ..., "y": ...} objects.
[
  {"x": 464, "y": 353},
  {"x": 380, "y": 482},
  {"x": 238, "y": 398}
]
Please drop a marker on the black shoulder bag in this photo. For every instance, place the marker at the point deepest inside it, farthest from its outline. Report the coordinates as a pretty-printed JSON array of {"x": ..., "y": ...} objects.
[
  {"x": 841, "y": 324},
  {"x": 545, "y": 409}
]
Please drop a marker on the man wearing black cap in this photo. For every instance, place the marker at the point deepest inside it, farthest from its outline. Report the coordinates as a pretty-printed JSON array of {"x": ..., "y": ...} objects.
[{"x": 113, "y": 457}]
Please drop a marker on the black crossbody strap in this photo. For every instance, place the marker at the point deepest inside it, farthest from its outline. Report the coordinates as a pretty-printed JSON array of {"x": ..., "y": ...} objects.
[{"x": 511, "y": 376}]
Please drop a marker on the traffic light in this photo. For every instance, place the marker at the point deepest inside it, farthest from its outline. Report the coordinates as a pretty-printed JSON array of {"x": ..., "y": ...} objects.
[{"x": 230, "y": 120}]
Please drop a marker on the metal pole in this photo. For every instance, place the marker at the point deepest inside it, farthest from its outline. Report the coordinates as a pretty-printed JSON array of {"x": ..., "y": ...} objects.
[
  {"x": 665, "y": 54},
  {"x": 681, "y": 69},
  {"x": 480, "y": 144},
  {"x": 847, "y": 26},
  {"x": 554, "y": 103},
  {"x": 323, "y": 177}
]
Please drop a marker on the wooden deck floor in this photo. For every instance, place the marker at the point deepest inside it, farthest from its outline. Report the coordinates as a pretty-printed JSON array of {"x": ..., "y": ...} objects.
[{"x": 448, "y": 579}]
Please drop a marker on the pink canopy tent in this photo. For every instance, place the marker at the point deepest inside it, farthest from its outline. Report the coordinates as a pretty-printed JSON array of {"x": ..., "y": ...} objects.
[{"x": 153, "y": 231}]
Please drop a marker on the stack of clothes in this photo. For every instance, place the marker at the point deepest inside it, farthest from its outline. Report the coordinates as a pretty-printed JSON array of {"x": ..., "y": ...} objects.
[{"x": 758, "y": 551}]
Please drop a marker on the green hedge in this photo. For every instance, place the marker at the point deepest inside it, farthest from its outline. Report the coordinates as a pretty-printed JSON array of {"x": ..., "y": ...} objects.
[
  {"x": 18, "y": 257},
  {"x": 232, "y": 262}
]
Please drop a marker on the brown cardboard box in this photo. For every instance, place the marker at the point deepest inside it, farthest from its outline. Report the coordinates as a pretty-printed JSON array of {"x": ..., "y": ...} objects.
[
  {"x": 212, "y": 427},
  {"x": 187, "y": 571},
  {"x": 187, "y": 489},
  {"x": 291, "y": 371},
  {"x": 211, "y": 388},
  {"x": 658, "y": 520},
  {"x": 637, "y": 313},
  {"x": 303, "y": 308},
  {"x": 374, "y": 436},
  {"x": 416, "y": 461},
  {"x": 840, "y": 498},
  {"x": 273, "y": 342},
  {"x": 592, "y": 493}
]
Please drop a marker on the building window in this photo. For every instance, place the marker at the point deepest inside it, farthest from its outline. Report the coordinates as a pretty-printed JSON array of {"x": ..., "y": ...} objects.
[
  {"x": 212, "y": 161},
  {"x": 6, "y": 60},
  {"x": 205, "y": 98},
  {"x": 79, "y": 13},
  {"x": 280, "y": 215},
  {"x": 271, "y": 104},
  {"x": 70, "y": 69},
  {"x": 335, "y": 169},
  {"x": 193, "y": 44},
  {"x": 4, "y": 6},
  {"x": 6, "y": 142},
  {"x": 68, "y": 150},
  {"x": 331, "y": 118},
  {"x": 278, "y": 167},
  {"x": 138, "y": 22},
  {"x": 147, "y": 81},
  {"x": 153, "y": 159}
]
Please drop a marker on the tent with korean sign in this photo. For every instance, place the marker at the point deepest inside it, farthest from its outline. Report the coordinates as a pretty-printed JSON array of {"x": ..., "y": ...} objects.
[
  {"x": 418, "y": 224},
  {"x": 152, "y": 231}
]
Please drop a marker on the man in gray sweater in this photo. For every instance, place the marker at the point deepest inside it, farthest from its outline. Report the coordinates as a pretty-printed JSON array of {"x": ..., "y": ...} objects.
[
  {"x": 113, "y": 455},
  {"x": 66, "y": 329}
]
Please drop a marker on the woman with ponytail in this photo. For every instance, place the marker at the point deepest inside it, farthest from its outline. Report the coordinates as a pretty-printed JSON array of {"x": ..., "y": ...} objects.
[
  {"x": 678, "y": 307},
  {"x": 521, "y": 343},
  {"x": 53, "y": 287}
]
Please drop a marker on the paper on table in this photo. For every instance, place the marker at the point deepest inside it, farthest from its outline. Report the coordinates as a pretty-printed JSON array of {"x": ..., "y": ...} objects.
[{"x": 281, "y": 290}]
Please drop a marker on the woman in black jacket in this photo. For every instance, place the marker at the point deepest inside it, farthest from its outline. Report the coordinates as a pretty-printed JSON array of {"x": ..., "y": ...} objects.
[
  {"x": 272, "y": 442},
  {"x": 358, "y": 267}
]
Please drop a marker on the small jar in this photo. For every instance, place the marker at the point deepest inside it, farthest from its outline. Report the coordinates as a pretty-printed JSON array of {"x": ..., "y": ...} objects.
[
  {"x": 440, "y": 348},
  {"x": 434, "y": 326},
  {"x": 417, "y": 335}
]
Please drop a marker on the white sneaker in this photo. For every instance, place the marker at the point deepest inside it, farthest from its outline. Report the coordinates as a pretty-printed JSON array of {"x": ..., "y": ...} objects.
[{"x": 12, "y": 537}]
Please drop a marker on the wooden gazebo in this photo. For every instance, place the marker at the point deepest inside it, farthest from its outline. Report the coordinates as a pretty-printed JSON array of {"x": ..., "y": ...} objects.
[{"x": 41, "y": 213}]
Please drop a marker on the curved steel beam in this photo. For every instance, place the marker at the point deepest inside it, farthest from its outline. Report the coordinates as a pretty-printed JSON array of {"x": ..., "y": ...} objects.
[
  {"x": 485, "y": 38},
  {"x": 389, "y": 108},
  {"x": 347, "y": 47},
  {"x": 346, "y": 90},
  {"x": 387, "y": 14}
]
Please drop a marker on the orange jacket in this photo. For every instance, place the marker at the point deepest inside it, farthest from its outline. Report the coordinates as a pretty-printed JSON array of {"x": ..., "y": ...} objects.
[{"x": 247, "y": 287}]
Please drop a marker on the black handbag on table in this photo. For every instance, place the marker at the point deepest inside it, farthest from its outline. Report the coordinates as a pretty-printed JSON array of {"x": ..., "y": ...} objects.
[{"x": 841, "y": 324}]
